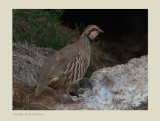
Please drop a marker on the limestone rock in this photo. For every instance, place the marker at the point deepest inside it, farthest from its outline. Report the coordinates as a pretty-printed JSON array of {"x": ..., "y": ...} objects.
[{"x": 121, "y": 87}]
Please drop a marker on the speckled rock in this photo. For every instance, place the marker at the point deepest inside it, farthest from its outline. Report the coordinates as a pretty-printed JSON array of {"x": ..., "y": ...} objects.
[{"x": 122, "y": 87}]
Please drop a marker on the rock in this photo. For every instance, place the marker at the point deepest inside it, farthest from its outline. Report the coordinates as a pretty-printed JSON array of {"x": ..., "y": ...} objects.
[{"x": 122, "y": 87}]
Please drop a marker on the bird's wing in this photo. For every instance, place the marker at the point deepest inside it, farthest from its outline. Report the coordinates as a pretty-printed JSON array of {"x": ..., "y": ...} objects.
[
  {"x": 54, "y": 67},
  {"x": 64, "y": 57}
]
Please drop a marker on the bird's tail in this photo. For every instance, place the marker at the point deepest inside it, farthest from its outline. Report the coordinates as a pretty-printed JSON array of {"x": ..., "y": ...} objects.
[{"x": 39, "y": 89}]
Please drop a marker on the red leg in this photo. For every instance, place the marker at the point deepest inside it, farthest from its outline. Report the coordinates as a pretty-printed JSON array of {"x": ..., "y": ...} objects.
[
  {"x": 57, "y": 91},
  {"x": 59, "y": 96},
  {"x": 69, "y": 96}
]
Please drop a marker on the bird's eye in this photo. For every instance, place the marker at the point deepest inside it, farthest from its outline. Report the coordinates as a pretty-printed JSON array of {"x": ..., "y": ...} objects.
[{"x": 94, "y": 29}]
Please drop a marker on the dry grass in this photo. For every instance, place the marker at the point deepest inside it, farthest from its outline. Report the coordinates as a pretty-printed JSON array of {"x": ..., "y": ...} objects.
[
  {"x": 101, "y": 58},
  {"x": 27, "y": 61}
]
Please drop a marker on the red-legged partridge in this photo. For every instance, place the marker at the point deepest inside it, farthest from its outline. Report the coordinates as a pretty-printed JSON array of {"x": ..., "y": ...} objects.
[{"x": 67, "y": 66}]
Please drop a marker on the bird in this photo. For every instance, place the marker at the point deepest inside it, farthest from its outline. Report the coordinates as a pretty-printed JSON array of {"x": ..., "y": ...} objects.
[{"x": 68, "y": 65}]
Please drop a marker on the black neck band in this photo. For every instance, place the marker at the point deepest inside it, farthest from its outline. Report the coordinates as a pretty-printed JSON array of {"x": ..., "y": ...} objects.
[{"x": 91, "y": 41}]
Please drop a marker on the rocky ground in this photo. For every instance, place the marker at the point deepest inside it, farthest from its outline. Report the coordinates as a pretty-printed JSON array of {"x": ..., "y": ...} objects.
[{"x": 122, "y": 87}]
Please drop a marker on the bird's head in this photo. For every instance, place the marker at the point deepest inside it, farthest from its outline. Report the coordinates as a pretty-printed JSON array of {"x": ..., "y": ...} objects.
[{"x": 91, "y": 31}]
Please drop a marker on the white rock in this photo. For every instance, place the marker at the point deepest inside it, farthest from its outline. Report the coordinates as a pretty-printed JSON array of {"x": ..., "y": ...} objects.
[{"x": 122, "y": 87}]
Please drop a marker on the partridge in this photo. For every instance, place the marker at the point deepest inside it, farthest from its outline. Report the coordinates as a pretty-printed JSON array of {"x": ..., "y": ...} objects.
[{"x": 67, "y": 66}]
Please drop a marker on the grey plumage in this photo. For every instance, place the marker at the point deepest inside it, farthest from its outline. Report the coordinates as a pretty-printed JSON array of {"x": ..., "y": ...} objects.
[{"x": 68, "y": 65}]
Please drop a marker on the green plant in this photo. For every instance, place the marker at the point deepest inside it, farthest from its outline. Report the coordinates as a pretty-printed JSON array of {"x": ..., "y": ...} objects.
[{"x": 39, "y": 27}]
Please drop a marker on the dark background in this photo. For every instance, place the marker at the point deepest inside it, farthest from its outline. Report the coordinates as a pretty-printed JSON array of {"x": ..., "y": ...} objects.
[
  {"x": 125, "y": 30},
  {"x": 130, "y": 21}
]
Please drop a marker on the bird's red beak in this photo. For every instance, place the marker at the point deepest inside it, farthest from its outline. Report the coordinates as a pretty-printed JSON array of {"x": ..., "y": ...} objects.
[{"x": 100, "y": 31}]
